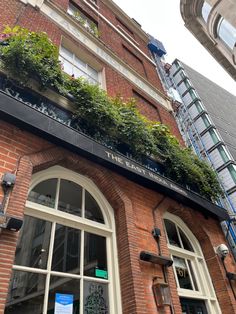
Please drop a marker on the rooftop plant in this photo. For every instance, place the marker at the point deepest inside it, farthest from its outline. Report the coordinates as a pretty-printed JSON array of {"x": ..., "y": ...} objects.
[{"x": 118, "y": 124}]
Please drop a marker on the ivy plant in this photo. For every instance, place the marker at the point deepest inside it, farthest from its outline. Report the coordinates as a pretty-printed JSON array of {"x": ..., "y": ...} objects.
[{"x": 112, "y": 121}]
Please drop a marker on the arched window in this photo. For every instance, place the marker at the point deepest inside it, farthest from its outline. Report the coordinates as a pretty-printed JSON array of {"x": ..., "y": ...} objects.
[
  {"x": 65, "y": 256},
  {"x": 193, "y": 281},
  {"x": 226, "y": 32}
]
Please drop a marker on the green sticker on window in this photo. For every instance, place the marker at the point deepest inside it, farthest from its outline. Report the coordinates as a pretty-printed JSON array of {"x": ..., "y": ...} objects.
[{"x": 101, "y": 273}]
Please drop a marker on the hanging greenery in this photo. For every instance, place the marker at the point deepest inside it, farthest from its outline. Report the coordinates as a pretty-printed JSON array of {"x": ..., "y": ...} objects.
[{"x": 112, "y": 121}]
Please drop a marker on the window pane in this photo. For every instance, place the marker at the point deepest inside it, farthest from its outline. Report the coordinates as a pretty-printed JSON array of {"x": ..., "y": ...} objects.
[
  {"x": 66, "y": 250},
  {"x": 182, "y": 273},
  {"x": 232, "y": 171},
  {"x": 186, "y": 244},
  {"x": 214, "y": 136},
  {"x": 33, "y": 244},
  {"x": 206, "y": 9},
  {"x": 172, "y": 233},
  {"x": 66, "y": 54},
  {"x": 69, "y": 288},
  {"x": 192, "y": 94},
  {"x": 227, "y": 33},
  {"x": 206, "y": 121},
  {"x": 44, "y": 193},
  {"x": 223, "y": 153},
  {"x": 67, "y": 67},
  {"x": 26, "y": 293},
  {"x": 95, "y": 260},
  {"x": 192, "y": 274},
  {"x": 80, "y": 64},
  {"x": 95, "y": 298},
  {"x": 92, "y": 210},
  {"x": 93, "y": 73},
  {"x": 70, "y": 197},
  {"x": 198, "y": 106},
  {"x": 79, "y": 73}
]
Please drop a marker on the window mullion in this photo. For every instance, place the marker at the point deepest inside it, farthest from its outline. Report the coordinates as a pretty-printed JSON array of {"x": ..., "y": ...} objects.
[
  {"x": 57, "y": 193},
  {"x": 83, "y": 203},
  {"x": 176, "y": 277},
  {"x": 49, "y": 265},
  {"x": 46, "y": 295},
  {"x": 82, "y": 271},
  {"x": 180, "y": 240},
  {"x": 190, "y": 274}
]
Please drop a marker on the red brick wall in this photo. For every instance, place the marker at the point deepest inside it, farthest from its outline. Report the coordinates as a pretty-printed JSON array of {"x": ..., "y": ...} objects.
[
  {"x": 137, "y": 210},
  {"x": 15, "y": 13}
]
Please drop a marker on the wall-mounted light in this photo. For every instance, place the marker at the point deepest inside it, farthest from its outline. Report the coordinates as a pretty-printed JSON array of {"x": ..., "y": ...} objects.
[{"x": 161, "y": 293}]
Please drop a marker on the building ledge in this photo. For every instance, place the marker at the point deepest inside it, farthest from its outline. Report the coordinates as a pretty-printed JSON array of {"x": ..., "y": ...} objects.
[{"x": 59, "y": 130}]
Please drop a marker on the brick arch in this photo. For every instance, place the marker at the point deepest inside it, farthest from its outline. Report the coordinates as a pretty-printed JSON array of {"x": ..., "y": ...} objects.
[{"x": 132, "y": 290}]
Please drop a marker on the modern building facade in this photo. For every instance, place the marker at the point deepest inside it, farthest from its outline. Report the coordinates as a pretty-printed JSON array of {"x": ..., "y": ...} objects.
[
  {"x": 206, "y": 119},
  {"x": 101, "y": 232},
  {"x": 213, "y": 23}
]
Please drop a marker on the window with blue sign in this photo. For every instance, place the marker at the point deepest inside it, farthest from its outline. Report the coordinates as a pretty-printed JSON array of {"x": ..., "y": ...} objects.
[{"x": 61, "y": 261}]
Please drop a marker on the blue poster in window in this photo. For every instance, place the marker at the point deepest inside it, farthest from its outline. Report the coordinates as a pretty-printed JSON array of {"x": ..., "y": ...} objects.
[{"x": 64, "y": 303}]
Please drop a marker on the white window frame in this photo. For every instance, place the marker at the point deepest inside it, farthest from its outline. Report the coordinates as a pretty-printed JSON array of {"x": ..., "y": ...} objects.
[
  {"x": 205, "y": 288},
  {"x": 86, "y": 75},
  {"x": 85, "y": 225}
]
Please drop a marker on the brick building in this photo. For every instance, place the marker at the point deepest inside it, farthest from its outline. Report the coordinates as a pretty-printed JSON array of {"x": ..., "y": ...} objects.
[{"x": 89, "y": 212}]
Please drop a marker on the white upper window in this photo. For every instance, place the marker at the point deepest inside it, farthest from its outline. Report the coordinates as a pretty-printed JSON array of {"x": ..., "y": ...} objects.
[
  {"x": 83, "y": 19},
  {"x": 227, "y": 33},
  {"x": 191, "y": 273},
  {"x": 66, "y": 249},
  {"x": 76, "y": 67}
]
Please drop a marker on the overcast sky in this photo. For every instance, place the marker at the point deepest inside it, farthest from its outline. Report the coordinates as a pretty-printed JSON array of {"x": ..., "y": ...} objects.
[{"x": 162, "y": 19}]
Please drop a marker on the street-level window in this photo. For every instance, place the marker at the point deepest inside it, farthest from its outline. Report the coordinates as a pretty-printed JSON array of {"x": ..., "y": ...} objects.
[
  {"x": 76, "y": 67},
  {"x": 65, "y": 249},
  {"x": 226, "y": 32},
  {"x": 191, "y": 274},
  {"x": 206, "y": 9}
]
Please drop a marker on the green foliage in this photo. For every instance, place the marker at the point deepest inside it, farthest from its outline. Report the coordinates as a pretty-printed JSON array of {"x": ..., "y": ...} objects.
[
  {"x": 112, "y": 121},
  {"x": 86, "y": 23},
  {"x": 31, "y": 55}
]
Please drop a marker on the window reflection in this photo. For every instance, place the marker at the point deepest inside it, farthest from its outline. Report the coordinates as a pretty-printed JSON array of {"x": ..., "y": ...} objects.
[
  {"x": 92, "y": 210},
  {"x": 172, "y": 233},
  {"x": 26, "y": 293},
  {"x": 206, "y": 9},
  {"x": 95, "y": 261},
  {"x": 182, "y": 273},
  {"x": 227, "y": 33},
  {"x": 70, "y": 197},
  {"x": 67, "y": 287},
  {"x": 33, "y": 244},
  {"x": 44, "y": 193},
  {"x": 66, "y": 250}
]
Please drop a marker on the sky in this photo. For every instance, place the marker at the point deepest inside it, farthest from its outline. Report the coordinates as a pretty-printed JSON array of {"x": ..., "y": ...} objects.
[{"x": 162, "y": 19}]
